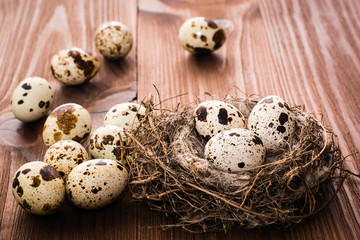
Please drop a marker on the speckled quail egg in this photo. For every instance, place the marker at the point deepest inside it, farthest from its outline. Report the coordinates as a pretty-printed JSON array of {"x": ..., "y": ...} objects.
[
  {"x": 200, "y": 35},
  {"x": 113, "y": 40},
  {"x": 234, "y": 150},
  {"x": 96, "y": 183},
  {"x": 212, "y": 117},
  {"x": 65, "y": 155},
  {"x": 125, "y": 115},
  {"x": 32, "y": 99},
  {"x": 273, "y": 121},
  {"x": 106, "y": 142},
  {"x": 67, "y": 122},
  {"x": 38, "y": 188},
  {"x": 74, "y": 66}
]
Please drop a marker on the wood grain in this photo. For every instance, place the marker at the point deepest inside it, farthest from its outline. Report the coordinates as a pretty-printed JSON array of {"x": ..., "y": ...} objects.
[{"x": 303, "y": 50}]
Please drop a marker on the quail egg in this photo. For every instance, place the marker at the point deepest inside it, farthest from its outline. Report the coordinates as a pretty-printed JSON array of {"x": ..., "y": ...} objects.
[
  {"x": 96, "y": 183},
  {"x": 234, "y": 150},
  {"x": 200, "y": 35},
  {"x": 74, "y": 66},
  {"x": 273, "y": 121},
  {"x": 113, "y": 40},
  {"x": 108, "y": 142},
  {"x": 38, "y": 188},
  {"x": 65, "y": 155},
  {"x": 212, "y": 117},
  {"x": 32, "y": 99},
  {"x": 67, "y": 122},
  {"x": 125, "y": 115}
]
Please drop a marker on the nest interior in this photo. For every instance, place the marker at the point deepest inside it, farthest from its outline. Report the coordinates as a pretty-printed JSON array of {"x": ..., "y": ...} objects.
[{"x": 168, "y": 170}]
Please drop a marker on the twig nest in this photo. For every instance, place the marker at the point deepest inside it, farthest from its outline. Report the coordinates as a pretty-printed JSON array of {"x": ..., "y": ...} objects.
[{"x": 170, "y": 170}]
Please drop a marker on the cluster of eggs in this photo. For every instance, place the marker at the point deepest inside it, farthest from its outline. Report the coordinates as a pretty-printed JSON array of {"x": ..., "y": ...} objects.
[
  {"x": 234, "y": 145},
  {"x": 40, "y": 187}
]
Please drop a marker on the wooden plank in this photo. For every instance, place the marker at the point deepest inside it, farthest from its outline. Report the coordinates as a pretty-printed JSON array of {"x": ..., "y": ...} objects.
[
  {"x": 316, "y": 45},
  {"x": 31, "y": 32}
]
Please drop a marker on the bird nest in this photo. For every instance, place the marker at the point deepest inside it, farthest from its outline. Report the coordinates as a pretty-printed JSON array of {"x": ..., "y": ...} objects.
[{"x": 168, "y": 170}]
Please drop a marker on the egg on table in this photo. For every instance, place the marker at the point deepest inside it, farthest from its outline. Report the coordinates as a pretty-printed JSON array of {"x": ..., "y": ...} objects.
[
  {"x": 67, "y": 122},
  {"x": 65, "y": 155},
  {"x": 74, "y": 66},
  {"x": 125, "y": 115},
  {"x": 32, "y": 99},
  {"x": 96, "y": 183},
  {"x": 200, "y": 35},
  {"x": 234, "y": 150},
  {"x": 113, "y": 40},
  {"x": 212, "y": 117},
  {"x": 38, "y": 188},
  {"x": 108, "y": 142},
  {"x": 273, "y": 121}
]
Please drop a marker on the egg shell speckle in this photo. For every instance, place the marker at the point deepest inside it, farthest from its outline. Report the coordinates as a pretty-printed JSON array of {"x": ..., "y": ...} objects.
[
  {"x": 125, "y": 115},
  {"x": 105, "y": 142},
  {"x": 67, "y": 122},
  {"x": 212, "y": 117},
  {"x": 234, "y": 150},
  {"x": 113, "y": 40},
  {"x": 96, "y": 183},
  {"x": 32, "y": 99},
  {"x": 65, "y": 155},
  {"x": 273, "y": 121},
  {"x": 200, "y": 35},
  {"x": 74, "y": 66},
  {"x": 38, "y": 188}
]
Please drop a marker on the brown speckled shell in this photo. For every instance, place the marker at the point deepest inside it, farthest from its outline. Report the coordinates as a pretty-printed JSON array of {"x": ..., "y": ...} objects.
[
  {"x": 113, "y": 40},
  {"x": 235, "y": 150},
  {"x": 65, "y": 155},
  {"x": 96, "y": 183},
  {"x": 105, "y": 142},
  {"x": 273, "y": 121},
  {"x": 74, "y": 66},
  {"x": 200, "y": 35},
  {"x": 67, "y": 122},
  {"x": 212, "y": 117},
  {"x": 38, "y": 188},
  {"x": 125, "y": 115},
  {"x": 32, "y": 99}
]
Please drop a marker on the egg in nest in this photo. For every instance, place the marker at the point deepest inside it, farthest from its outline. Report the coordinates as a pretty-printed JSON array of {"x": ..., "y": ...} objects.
[
  {"x": 234, "y": 150},
  {"x": 212, "y": 117},
  {"x": 274, "y": 122}
]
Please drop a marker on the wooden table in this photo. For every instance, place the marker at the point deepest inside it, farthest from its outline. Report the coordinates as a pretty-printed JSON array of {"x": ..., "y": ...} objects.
[{"x": 306, "y": 51}]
